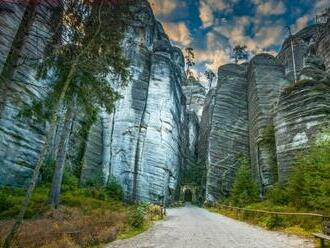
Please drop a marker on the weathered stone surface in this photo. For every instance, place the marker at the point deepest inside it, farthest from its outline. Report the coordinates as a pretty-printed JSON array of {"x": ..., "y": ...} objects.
[
  {"x": 195, "y": 94},
  {"x": 302, "y": 112},
  {"x": 301, "y": 42},
  {"x": 224, "y": 130},
  {"x": 266, "y": 81},
  {"x": 323, "y": 46},
  {"x": 21, "y": 140},
  {"x": 145, "y": 133}
]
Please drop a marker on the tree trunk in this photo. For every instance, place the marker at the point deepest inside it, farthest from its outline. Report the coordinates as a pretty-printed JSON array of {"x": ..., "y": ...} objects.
[
  {"x": 61, "y": 157},
  {"x": 42, "y": 156}
]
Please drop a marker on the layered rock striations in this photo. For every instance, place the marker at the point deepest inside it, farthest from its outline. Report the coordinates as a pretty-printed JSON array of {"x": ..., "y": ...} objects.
[
  {"x": 195, "y": 94},
  {"x": 303, "y": 111},
  {"x": 266, "y": 81},
  {"x": 224, "y": 130},
  {"x": 26, "y": 32},
  {"x": 142, "y": 143}
]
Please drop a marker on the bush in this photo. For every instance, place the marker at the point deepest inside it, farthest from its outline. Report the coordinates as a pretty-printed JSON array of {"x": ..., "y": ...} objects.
[
  {"x": 309, "y": 184},
  {"x": 244, "y": 189},
  {"x": 5, "y": 201},
  {"x": 278, "y": 195},
  {"x": 274, "y": 221},
  {"x": 137, "y": 215},
  {"x": 114, "y": 190}
]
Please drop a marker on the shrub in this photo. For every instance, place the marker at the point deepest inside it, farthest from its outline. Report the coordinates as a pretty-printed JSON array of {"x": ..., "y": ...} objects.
[
  {"x": 114, "y": 190},
  {"x": 274, "y": 221},
  {"x": 278, "y": 194},
  {"x": 309, "y": 184},
  {"x": 137, "y": 215},
  {"x": 5, "y": 201},
  {"x": 244, "y": 189}
]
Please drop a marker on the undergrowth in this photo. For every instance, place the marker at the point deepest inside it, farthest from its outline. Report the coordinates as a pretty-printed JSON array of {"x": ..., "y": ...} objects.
[{"x": 87, "y": 217}]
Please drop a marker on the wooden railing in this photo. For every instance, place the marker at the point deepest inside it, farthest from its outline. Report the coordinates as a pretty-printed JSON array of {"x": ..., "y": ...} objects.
[{"x": 275, "y": 213}]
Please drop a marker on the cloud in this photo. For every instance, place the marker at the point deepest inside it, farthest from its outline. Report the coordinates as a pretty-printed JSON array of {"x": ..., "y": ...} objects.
[
  {"x": 178, "y": 32},
  {"x": 208, "y": 8},
  {"x": 270, "y": 7},
  {"x": 206, "y": 15},
  {"x": 213, "y": 58},
  {"x": 301, "y": 23},
  {"x": 163, "y": 7},
  {"x": 266, "y": 33}
]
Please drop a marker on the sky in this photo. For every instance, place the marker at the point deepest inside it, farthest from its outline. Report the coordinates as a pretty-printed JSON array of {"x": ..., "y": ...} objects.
[{"x": 214, "y": 27}]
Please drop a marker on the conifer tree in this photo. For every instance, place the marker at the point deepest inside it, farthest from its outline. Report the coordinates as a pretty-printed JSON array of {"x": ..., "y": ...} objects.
[{"x": 89, "y": 52}]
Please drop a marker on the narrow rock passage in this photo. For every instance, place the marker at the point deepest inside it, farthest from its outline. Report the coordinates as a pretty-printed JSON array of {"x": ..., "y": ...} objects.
[{"x": 192, "y": 227}]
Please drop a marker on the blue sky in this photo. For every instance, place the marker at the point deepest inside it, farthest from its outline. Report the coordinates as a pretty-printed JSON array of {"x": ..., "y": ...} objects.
[{"x": 213, "y": 27}]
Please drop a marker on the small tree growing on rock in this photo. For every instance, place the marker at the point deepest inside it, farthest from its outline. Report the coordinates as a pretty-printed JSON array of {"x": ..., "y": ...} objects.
[
  {"x": 189, "y": 57},
  {"x": 240, "y": 53},
  {"x": 210, "y": 75}
]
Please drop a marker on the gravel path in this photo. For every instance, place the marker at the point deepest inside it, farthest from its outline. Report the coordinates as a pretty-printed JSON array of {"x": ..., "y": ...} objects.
[{"x": 192, "y": 227}]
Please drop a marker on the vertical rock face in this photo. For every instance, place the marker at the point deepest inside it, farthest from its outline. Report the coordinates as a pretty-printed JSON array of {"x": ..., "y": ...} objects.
[
  {"x": 224, "y": 130},
  {"x": 323, "y": 46},
  {"x": 145, "y": 133},
  {"x": 301, "y": 42},
  {"x": 195, "y": 94},
  {"x": 26, "y": 30},
  {"x": 302, "y": 112},
  {"x": 266, "y": 80}
]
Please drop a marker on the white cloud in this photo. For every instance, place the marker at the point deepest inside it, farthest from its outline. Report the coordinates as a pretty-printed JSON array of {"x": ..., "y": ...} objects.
[
  {"x": 178, "y": 32},
  {"x": 206, "y": 15},
  {"x": 270, "y": 7},
  {"x": 207, "y": 8},
  {"x": 301, "y": 23},
  {"x": 163, "y": 7},
  {"x": 266, "y": 34}
]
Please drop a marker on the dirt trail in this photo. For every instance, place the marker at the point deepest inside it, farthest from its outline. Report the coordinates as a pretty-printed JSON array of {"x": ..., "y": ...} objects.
[{"x": 192, "y": 227}]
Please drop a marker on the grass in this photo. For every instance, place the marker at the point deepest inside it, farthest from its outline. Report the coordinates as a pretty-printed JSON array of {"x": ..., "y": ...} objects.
[
  {"x": 81, "y": 221},
  {"x": 298, "y": 225}
]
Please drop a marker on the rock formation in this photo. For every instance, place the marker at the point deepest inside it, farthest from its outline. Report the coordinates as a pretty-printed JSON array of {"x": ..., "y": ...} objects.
[
  {"x": 266, "y": 81},
  {"x": 195, "y": 94},
  {"x": 282, "y": 119},
  {"x": 26, "y": 31},
  {"x": 141, "y": 143},
  {"x": 224, "y": 130}
]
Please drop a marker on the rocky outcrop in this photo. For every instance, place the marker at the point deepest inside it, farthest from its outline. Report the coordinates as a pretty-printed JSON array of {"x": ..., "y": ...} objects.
[
  {"x": 303, "y": 111},
  {"x": 141, "y": 143},
  {"x": 301, "y": 43},
  {"x": 323, "y": 45},
  {"x": 26, "y": 32},
  {"x": 224, "y": 130},
  {"x": 195, "y": 94},
  {"x": 266, "y": 80}
]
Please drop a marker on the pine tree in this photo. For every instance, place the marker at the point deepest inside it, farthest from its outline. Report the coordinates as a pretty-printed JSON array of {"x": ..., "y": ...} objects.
[
  {"x": 89, "y": 52},
  {"x": 240, "y": 53},
  {"x": 244, "y": 189}
]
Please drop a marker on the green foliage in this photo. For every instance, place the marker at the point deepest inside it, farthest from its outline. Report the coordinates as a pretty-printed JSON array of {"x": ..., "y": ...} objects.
[
  {"x": 70, "y": 181},
  {"x": 274, "y": 221},
  {"x": 244, "y": 189},
  {"x": 309, "y": 184},
  {"x": 137, "y": 215},
  {"x": 114, "y": 190},
  {"x": 278, "y": 195},
  {"x": 5, "y": 201},
  {"x": 240, "y": 52}
]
